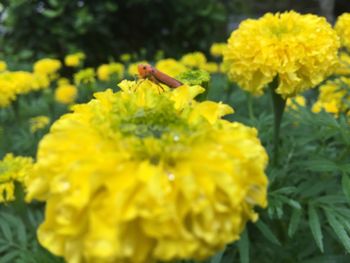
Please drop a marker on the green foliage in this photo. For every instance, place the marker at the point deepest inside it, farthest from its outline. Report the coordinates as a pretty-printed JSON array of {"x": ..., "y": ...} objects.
[
  {"x": 307, "y": 219},
  {"x": 18, "y": 226},
  {"x": 111, "y": 27}
]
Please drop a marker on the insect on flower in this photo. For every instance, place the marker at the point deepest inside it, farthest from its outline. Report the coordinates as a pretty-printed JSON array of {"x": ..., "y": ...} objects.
[{"x": 146, "y": 71}]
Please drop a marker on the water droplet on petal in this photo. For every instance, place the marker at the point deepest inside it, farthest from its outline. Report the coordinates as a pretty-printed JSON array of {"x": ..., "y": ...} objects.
[{"x": 171, "y": 176}]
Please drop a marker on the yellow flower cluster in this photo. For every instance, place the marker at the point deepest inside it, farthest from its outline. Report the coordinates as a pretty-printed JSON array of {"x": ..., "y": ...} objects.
[
  {"x": 3, "y": 65},
  {"x": 294, "y": 103},
  {"x": 85, "y": 76},
  {"x": 171, "y": 67},
  {"x": 194, "y": 60},
  {"x": 299, "y": 50},
  {"x": 38, "y": 123},
  {"x": 13, "y": 169},
  {"x": 197, "y": 60},
  {"x": 105, "y": 71},
  {"x": 133, "y": 177},
  {"x": 74, "y": 60},
  {"x": 19, "y": 82},
  {"x": 342, "y": 27},
  {"x": 344, "y": 64},
  {"x": 66, "y": 93},
  {"x": 47, "y": 67},
  {"x": 334, "y": 96},
  {"x": 217, "y": 49}
]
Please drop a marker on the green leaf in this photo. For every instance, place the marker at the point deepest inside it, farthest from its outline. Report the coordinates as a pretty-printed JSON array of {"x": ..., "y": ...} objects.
[
  {"x": 346, "y": 186},
  {"x": 217, "y": 258},
  {"x": 294, "y": 222},
  {"x": 6, "y": 230},
  {"x": 243, "y": 246},
  {"x": 339, "y": 229},
  {"x": 265, "y": 230},
  {"x": 321, "y": 165},
  {"x": 9, "y": 257},
  {"x": 315, "y": 226}
]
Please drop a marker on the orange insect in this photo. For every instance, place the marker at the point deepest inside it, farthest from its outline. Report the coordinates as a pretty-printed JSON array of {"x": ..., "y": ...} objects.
[{"x": 146, "y": 71}]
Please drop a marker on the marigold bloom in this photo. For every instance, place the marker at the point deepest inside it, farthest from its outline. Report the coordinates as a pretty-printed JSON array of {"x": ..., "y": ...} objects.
[
  {"x": 105, "y": 71},
  {"x": 171, "y": 67},
  {"x": 142, "y": 175},
  {"x": 342, "y": 26},
  {"x": 66, "y": 94},
  {"x": 85, "y": 76},
  {"x": 74, "y": 60},
  {"x": 211, "y": 67},
  {"x": 217, "y": 49},
  {"x": 47, "y": 67},
  {"x": 293, "y": 103},
  {"x": 344, "y": 64},
  {"x": 301, "y": 50},
  {"x": 13, "y": 169},
  {"x": 194, "y": 60},
  {"x": 38, "y": 123},
  {"x": 3, "y": 65},
  {"x": 334, "y": 96},
  {"x": 19, "y": 82}
]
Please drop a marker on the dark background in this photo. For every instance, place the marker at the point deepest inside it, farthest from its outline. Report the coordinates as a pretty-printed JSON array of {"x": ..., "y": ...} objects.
[{"x": 104, "y": 29}]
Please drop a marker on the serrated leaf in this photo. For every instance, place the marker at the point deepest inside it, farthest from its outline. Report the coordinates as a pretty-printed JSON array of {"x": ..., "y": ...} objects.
[
  {"x": 22, "y": 234},
  {"x": 9, "y": 257},
  {"x": 339, "y": 230},
  {"x": 346, "y": 186},
  {"x": 294, "y": 222},
  {"x": 6, "y": 230},
  {"x": 321, "y": 165},
  {"x": 315, "y": 226},
  {"x": 243, "y": 247},
  {"x": 217, "y": 258},
  {"x": 265, "y": 230},
  {"x": 4, "y": 248},
  {"x": 286, "y": 190}
]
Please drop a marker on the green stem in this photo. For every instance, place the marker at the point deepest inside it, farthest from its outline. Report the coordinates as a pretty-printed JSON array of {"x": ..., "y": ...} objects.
[
  {"x": 250, "y": 106},
  {"x": 278, "y": 108}
]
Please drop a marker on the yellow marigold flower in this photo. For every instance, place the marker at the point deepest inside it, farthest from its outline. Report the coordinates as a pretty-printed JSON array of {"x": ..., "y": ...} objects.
[
  {"x": 293, "y": 103},
  {"x": 211, "y": 67},
  {"x": 13, "y": 169},
  {"x": 171, "y": 67},
  {"x": 7, "y": 91},
  {"x": 38, "y": 123},
  {"x": 344, "y": 64},
  {"x": 142, "y": 175},
  {"x": 3, "y": 65},
  {"x": 62, "y": 81},
  {"x": 74, "y": 60},
  {"x": 217, "y": 49},
  {"x": 47, "y": 67},
  {"x": 125, "y": 57},
  {"x": 84, "y": 76},
  {"x": 194, "y": 60},
  {"x": 342, "y": 26},
  {"x": 334, "y": 96},
  {"x": 132, "y": 69},
  {"x": 66, "y": 94},
  {"x": 105, "y": 71},
  {"x": 300, "y": 50}
]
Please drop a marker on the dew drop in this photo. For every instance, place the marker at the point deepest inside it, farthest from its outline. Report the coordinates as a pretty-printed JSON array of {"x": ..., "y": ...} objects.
[
  {"x": 171, "y": 176},
  {"x": 176, "y": 138}
]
